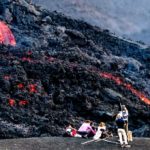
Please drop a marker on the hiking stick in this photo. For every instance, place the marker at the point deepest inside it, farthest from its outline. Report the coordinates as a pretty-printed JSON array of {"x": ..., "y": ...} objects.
[
  {"x": 88, "y": 142},
  {"x": 100, "y": 139},
  {"x": 111, "y": 141}
]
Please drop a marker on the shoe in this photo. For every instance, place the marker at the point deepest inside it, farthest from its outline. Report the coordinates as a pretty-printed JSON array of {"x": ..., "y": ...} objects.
[
  {"x": 85, "y": 136},
  {"x": 122, "y": 145},
  {"x": 127, "y": 146}
]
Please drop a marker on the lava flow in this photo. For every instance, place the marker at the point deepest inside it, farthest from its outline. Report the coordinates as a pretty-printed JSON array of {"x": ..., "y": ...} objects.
[
  {"x": 6, "y": 36},
  {"x": 128, "y": 86}
]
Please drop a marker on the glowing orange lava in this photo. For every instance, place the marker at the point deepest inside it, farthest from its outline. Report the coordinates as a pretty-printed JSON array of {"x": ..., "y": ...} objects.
[
  {"x": 128, "y": 86},
  {"x": 20, "y": 86},
  {"x": 6, "y": 36},
  {"x": 32, "y": 88},
  {"x": 23, "y": 102},
  {"x": 11, "y": 102}
]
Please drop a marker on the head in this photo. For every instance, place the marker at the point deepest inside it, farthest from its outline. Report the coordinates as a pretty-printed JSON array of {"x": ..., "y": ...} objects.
[
  {"x": 69, "y": 125},
  {"x": 118, "y": 116},
  {"x": 87, "y": 121},
  {"x": 123, "y": 107},
  {"x": 102, "y": 124}
]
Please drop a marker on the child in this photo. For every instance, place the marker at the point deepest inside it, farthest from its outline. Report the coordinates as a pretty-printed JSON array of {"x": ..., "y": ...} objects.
[{"x": 101, "y": 129}]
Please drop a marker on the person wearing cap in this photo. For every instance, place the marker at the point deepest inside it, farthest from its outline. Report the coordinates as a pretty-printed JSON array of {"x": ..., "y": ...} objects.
[
  {"x": 121, "y": 131},
  {"x": 125, "y": 114}
]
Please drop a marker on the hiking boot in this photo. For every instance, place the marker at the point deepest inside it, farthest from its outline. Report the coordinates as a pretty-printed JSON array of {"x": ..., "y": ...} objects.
[{"x": 127, "y": 146}]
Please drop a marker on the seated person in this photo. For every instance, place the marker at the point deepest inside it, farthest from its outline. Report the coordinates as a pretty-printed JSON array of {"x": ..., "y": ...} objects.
[
  {"x": 86, "y": 129},
  {"x": 101, "y": 131},
  {"x": 71, "y": 132}
]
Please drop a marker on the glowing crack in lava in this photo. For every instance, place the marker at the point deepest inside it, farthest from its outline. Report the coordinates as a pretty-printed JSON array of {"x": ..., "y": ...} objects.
[
  {"x": 20, "y": 85},
  {"x": 32, "y": 88},
  {"x": 118, "y": 80},
  {"x": 128, "y": 86},
  {"x": 11, "y": 102},
  {"x": 6, "y": 36},
  {"x": 23, "y": 102}
]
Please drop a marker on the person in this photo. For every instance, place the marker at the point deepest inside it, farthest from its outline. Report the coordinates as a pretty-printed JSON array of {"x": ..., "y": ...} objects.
[
  {"x": 101, "y": 129},
  {"x": 71, "y": 132},
  {"x": 121, "y": 131},
  {"x": 124, "y": 114},
  {"x": 86, "y": 129}
]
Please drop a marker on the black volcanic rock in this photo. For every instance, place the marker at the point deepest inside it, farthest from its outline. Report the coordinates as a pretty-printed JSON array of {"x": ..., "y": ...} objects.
[{"x": 55, "y": 74}]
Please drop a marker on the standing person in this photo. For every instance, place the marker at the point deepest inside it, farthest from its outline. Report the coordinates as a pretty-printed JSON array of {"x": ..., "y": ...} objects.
[
  {"x": 121, "y": 131},
  {"x": 125, "y": 115},
  {"x": 86, "y": 129},
  {"x": 101, "y": 129}
]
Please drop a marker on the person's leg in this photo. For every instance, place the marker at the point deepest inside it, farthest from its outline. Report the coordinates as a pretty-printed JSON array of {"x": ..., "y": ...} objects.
[
  {"x": 97, "y": 135},
  {"x": 120, "y": 136},
  {"x": 124, "y": 136},
  {"x": 126, "y": 127},
  {"x": 83, "y": 134},
  {"x": 90, "y": 134}
]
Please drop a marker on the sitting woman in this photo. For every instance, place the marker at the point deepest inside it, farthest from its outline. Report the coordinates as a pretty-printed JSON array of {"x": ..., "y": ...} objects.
[
  {"x": 71, "y": 132},
  {"x": 100, "y": 131},
  {"x": 86, "y": 129}
]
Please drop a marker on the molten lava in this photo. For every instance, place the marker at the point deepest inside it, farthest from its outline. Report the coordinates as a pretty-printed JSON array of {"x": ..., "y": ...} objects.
[
  {"x": 20, "y": 86},
  {"x": 128, "y": 86},
  {"x": 32, "y": 88},
  {"x": 11, "y": 102},
  {"x": 23, "y": 102},
  {"x": 6, "y": 36}
]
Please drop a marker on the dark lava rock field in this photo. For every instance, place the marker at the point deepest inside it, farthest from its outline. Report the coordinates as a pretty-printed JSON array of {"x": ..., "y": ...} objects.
[{"x": 64, "y": 71}]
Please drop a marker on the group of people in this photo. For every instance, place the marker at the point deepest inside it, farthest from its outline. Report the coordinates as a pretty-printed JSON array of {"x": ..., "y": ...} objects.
[{"x": 88, "y": 130}]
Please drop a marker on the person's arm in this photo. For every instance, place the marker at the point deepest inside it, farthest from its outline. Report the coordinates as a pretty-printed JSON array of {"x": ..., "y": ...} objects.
[
  {"x": 91, "y": 129},
  {"x": 126, "y": 115}
]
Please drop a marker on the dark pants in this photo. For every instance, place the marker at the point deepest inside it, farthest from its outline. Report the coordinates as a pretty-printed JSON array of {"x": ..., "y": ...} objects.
[{"x": 86, "y": 134}]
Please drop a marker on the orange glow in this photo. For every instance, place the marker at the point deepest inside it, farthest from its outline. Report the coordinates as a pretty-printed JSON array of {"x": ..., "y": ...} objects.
[
  {"x": 6, "y": 36},
  {"x": 11, "y": 102},
  {"x": 128, "y": 86},
  {"x": 20, "y": 86},
  {"x": 26, "y": 59},
  {"x": 23, "y": 102},
  {"x": 32, "y": 88}
]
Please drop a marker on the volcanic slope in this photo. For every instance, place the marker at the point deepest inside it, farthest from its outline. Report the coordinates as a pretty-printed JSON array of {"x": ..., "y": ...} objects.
[{"x": 64, "y": 71}]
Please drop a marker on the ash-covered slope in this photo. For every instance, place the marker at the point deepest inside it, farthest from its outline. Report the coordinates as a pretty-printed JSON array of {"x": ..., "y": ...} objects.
[
  {"x": 63, "y": 70},
  {"x": 125, "y": 17}
]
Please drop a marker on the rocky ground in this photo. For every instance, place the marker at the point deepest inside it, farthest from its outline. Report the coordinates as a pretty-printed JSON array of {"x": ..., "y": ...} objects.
[
  {"x": 64, "y": 71},
  {"x": 125, "y": 18},
  {"x": 57, "y": 143}
]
